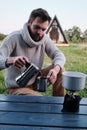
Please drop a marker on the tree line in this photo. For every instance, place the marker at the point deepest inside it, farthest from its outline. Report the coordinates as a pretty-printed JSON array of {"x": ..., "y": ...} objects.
[
  {"x": 75, "y": 35},
  {"x": 2, "y": 36}
]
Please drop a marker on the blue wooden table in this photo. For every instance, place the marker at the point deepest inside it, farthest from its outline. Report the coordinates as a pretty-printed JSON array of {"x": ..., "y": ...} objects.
[{"x": 39, "y": 113}]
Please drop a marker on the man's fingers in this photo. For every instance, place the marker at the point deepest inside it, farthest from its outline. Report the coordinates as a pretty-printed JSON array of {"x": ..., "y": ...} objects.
[{"x": 20, "y": 61}]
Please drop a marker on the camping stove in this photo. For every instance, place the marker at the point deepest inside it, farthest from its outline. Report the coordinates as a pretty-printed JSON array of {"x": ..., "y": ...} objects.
[
  {"x": 71, "y": 102},
  {"x": 72, "y": 81}
]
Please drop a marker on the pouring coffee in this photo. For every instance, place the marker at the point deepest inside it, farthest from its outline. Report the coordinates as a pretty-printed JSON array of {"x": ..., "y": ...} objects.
[{"x": 30, "y": 71}]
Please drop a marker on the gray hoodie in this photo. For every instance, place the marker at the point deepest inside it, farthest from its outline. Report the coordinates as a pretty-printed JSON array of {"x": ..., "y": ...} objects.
[{"x": 19, "y": 43}]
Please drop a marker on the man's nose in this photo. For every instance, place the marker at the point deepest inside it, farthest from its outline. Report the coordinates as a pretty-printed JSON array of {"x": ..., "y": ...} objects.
[{"x": 40, "y": 31}]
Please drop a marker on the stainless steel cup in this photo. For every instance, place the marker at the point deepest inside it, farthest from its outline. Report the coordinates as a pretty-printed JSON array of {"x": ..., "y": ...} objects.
[{"x": 42, "y": 83}]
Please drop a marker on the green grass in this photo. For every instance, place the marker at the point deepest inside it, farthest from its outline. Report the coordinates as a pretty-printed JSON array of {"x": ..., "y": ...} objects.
[
  {"x": 2, "y": 83},
  {"x": 76, "y": 60}
]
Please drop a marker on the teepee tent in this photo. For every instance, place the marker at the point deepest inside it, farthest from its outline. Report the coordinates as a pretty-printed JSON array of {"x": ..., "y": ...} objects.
[{"x": 55, "y": 31}]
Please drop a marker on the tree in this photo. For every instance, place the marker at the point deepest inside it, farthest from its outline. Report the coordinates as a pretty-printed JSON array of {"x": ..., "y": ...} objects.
[
  {"x": 2, "y": 36},
  {"x": 74, "y": 34},
  {"x": 85, "y": 35}
]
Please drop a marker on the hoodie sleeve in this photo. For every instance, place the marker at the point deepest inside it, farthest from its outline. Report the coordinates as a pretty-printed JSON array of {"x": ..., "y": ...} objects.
[
  {"x": 5, "y": 51},
  {"x": 57, "y": 56},
  {"x": 2, "y": 62},
  {"x": 3, "y": 56}
]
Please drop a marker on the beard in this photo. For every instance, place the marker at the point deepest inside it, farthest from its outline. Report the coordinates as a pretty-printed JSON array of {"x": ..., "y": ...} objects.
[{"x": 35, "y": 36}]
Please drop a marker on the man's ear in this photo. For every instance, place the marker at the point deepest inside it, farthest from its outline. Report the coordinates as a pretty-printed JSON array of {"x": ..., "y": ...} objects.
[{"x": 29, "y": 21}]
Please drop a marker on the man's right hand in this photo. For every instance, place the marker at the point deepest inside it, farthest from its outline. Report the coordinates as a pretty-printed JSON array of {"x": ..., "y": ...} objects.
[{"x": 18, "y": 61}]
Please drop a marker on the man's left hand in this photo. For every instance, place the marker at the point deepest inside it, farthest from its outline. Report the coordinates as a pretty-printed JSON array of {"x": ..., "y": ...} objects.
[{"x": 52, "y": 75}]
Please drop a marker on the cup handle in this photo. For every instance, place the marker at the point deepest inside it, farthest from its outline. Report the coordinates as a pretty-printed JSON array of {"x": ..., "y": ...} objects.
[{"x": 48, "y": 83}]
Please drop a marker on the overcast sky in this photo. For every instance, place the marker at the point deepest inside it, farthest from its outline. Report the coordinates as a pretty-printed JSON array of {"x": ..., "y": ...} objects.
[{"x": 14, "y": 13}]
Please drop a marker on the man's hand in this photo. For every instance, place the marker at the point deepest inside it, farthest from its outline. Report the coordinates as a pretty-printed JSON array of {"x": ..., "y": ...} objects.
[
  {"x": 52, "y": 75},
  {"x": 18, "y": 61}
]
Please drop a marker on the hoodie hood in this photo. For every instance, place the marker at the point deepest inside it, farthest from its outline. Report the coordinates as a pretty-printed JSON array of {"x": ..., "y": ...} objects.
[{"x": 27, "y": 38}]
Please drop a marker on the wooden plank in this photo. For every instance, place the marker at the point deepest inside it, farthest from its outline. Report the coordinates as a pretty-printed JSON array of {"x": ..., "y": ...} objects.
[
  {"x": 30, "y": 107},
  {"x": 40, "y": 99},
  {"x": 43, "y": 120},
  {"x": 27, "y": 99},
  {"x": 36, "y": 107},
  {"x": 13, "y": 127}
]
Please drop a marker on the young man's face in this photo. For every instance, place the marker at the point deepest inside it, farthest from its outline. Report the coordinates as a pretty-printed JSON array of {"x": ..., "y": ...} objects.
[{"x": 37, "y": 28}]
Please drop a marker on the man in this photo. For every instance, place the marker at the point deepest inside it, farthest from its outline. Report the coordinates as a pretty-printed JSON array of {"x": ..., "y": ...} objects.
[{"x": 30, "y": 45}]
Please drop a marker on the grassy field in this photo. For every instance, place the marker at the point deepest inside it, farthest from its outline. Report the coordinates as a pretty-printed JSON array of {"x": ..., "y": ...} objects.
[{"x": 76, "y": 60}]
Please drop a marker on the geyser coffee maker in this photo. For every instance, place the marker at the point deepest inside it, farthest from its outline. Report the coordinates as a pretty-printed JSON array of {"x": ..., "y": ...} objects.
[
  {"x": 30, "y": 71},
  {"x": 72, "y": 82}
]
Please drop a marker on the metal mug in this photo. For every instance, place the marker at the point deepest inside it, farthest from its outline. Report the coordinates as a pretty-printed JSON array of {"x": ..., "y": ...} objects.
[{"x": 42, "y": 83}]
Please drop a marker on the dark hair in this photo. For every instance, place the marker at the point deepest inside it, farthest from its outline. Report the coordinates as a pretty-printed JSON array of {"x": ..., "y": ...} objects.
[{"x": 43, "y": 14}]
